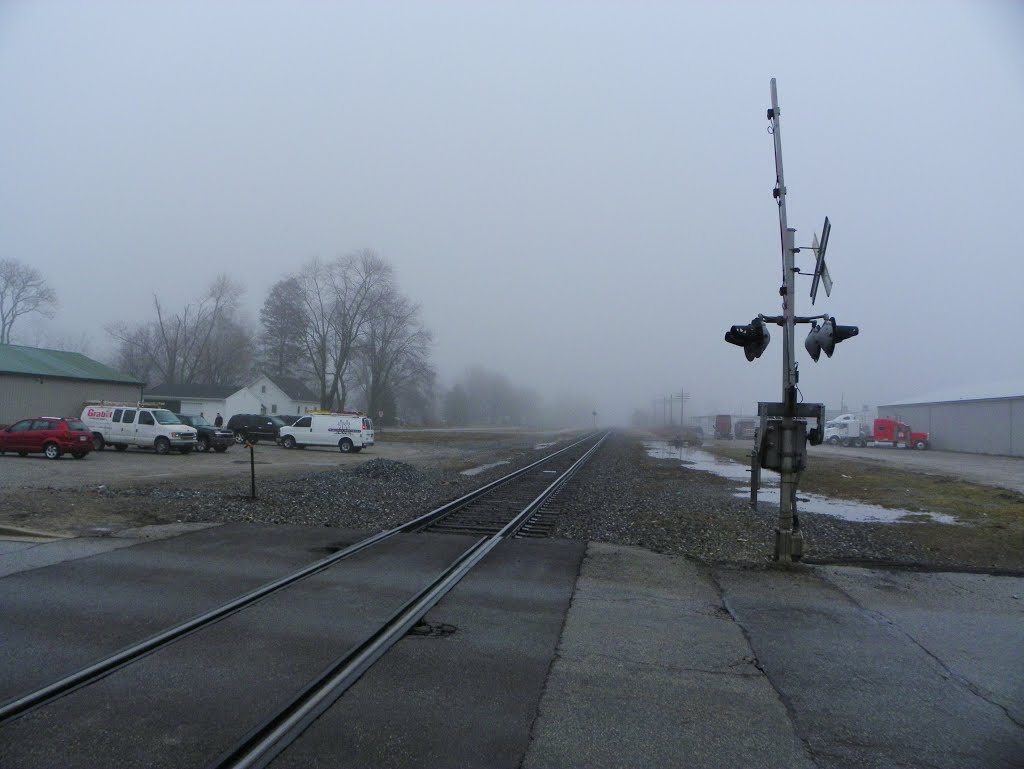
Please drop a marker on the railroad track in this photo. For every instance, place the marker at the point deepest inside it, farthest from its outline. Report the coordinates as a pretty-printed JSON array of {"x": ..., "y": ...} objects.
[{"x": 514, "y": 505}]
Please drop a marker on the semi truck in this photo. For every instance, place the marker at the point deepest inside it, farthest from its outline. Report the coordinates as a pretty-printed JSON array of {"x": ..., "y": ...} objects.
[
  {"x": 723, "y": 427},
  {"x": 852, "y": 430},
  {"x": 744, "y": 429}
]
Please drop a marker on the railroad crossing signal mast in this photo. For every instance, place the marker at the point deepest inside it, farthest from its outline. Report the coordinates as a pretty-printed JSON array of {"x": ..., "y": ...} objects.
[{"x": 782, "y": 437}]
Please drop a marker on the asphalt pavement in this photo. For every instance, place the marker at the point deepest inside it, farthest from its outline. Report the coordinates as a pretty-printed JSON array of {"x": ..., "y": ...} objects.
[{"x": 549, "y": 655}]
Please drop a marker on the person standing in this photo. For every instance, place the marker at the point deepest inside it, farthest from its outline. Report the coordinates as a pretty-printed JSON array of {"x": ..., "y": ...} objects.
[{"x": 218, "y": 421}]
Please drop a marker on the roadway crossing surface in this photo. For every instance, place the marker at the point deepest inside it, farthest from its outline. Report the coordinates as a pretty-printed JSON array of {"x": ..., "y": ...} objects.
[{"x": 552, "y": 654}]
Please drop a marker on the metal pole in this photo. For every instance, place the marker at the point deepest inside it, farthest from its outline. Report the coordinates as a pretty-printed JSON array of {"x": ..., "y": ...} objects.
[{"x": 788, "y": 540}]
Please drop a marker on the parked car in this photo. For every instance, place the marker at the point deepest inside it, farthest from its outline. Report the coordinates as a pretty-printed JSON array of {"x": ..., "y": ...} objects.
[
  {"x": 208, "y": 437},
  {"x": 51, "y": 436},
  {"x": 260, "y": 427}
]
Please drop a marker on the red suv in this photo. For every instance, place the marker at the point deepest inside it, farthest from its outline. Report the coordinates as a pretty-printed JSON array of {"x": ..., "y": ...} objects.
[{"x": 51, "y": 436}]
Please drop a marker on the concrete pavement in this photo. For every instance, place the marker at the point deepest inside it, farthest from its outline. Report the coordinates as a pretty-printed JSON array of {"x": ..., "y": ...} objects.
[
  {"x": 664, "y": 662},
  {"x": 545, "y": 657}
]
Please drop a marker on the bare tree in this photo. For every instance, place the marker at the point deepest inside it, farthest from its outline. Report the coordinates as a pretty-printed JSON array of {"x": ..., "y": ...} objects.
[
  {"x": 175, "y": 347},
  {"x": 395, "y": 353},
  {"x": 337, "y": 300},
  {"x": 488, "y": 397},
  {"x": 228, "y": 357},
  {"x": 317, "y": 293},
  {"x": 361, "y": 282},
  {"x": 23, "y": 290}
]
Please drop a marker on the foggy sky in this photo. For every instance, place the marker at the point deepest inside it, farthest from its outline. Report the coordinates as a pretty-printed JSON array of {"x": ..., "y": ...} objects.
[{"x": 579, "y": 194}]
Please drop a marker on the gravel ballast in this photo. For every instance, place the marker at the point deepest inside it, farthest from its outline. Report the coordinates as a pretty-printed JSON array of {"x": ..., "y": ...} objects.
[{"x": 623, "y": 496}]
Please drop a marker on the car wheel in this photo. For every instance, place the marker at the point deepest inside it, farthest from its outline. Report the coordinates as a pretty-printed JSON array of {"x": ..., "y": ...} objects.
[
  {"x": 345, "y": 444},
  {"x": 220, "y": 449},
  {"x": 52, "y": 451},
  {"x": 920, "y": 445},
  {"x": 833, "y": 441},
  {"x": 98, "y": 444},
  {"x": 162, "y": 445},
  {"x": 203, "y": 444},
  {"x": 78, "y": 455},
  {"x": 121, "y": 446},
  {"x": 288, "y": 442},
  {"x": 239, "y": 437}
]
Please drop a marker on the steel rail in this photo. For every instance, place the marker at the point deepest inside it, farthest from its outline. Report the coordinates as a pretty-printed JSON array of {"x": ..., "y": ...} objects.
[
  {"x": 267, "y": 741},
  {"x": 107, "y": 665}
]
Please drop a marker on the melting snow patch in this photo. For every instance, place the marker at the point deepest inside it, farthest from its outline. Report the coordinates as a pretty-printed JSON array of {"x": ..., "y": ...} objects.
[
  {"x": 481, "y": 468},
  {"x": 540, "y": 446},
  {"x": 859, "y": 512}
]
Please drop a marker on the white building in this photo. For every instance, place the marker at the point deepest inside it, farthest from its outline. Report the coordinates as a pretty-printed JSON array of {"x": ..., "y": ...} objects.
[
  {"x": 987, "y": 419},
  {"x": 265, "y": 395}
]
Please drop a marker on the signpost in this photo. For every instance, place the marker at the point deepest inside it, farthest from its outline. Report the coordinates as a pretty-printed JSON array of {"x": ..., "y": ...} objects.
[{"x": 783, "y": 435}]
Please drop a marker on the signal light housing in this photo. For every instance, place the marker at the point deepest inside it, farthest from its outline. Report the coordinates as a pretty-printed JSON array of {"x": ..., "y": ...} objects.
[
  {"x": 826, "y": 336},
  {"x": 753, "y": 338}
]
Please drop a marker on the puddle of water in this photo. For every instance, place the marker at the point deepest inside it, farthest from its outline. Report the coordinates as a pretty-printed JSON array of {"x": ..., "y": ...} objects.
[
  {"x": 540, "y": 446},
  {"x": 858, "y": 512},
  {"x": 695, "y": 459},
  {"x": 481, "y": 468}
]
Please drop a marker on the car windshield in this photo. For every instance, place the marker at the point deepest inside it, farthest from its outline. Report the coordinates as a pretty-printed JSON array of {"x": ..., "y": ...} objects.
[
  {"x": 165, "y": 417},
  {"x": 199, "y": 422}
]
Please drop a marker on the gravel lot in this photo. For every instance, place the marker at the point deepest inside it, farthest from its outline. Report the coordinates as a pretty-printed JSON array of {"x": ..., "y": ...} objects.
[{"x": 623, "y": 496}]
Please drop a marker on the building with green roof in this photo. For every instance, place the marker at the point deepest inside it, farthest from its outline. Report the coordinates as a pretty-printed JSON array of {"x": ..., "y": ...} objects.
[{"x": 38, "y": 382}]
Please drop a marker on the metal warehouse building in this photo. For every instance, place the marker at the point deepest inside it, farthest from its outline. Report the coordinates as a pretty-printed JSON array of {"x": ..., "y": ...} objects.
[
  {"x": 987, "y": 420},
  {"x": 36, "y": 382}
]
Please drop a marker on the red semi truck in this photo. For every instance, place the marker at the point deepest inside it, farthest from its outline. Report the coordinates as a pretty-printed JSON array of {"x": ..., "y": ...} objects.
[{"x": 851, "y": 430}]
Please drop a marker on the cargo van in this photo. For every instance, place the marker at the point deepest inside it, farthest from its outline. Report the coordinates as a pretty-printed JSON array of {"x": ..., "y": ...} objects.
[
  {"x": 145, "y": 426},
  {"x": 350, "y": 431}
]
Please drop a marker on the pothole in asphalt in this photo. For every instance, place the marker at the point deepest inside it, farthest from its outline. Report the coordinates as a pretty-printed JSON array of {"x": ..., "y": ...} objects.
[
  {"x": 330, "y": 549},
  {"x": 425, "y": 629}
]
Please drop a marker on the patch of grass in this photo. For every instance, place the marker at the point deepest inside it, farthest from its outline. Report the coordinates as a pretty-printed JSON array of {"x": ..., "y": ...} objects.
[{"x": 890, "y": 487}]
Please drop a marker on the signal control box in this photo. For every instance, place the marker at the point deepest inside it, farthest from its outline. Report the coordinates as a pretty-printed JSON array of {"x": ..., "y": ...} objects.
[{"x": 770, "y": 451}]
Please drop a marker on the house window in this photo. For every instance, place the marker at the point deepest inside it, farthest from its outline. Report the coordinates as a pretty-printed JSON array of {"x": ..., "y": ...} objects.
[
  {"x": 263, "y": 388},
  {"x": 263, "y": 410},
  {"x": 273, "y": 408}
]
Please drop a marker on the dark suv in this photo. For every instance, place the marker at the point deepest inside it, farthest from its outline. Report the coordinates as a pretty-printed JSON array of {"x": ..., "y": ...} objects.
[
  {"x": 260, "y": 427},
  {"x": 208, "y": 437}
]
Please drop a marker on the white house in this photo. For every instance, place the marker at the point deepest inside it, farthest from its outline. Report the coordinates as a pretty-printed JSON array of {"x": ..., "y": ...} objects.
[
  {"x": 271, "y": 395},
  {"x": 266, "y": 395}
]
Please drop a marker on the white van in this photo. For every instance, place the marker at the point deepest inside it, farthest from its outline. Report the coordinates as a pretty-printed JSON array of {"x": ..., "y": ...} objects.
[
  {"x": 348, "y": 430},
  {"x": 124, "y": 425}
]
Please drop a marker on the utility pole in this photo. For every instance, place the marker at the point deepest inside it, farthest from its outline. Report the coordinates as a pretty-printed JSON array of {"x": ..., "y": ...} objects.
[
  {"x": 788, "y": 538},
  {"x": 782, "y": 437}
]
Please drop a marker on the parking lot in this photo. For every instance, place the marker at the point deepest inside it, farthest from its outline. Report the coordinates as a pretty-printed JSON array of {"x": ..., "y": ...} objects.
[
  {"x": 138, "y": 466},
  {"x": 986, "y": 469}
]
